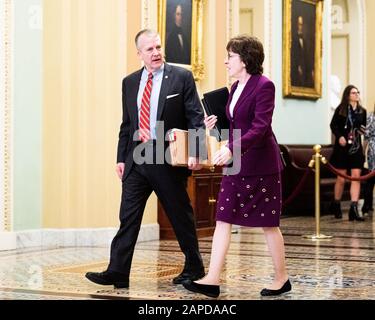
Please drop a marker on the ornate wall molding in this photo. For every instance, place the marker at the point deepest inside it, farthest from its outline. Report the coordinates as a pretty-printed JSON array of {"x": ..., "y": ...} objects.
[
  {"x": 145, "y": 14},
  {"x": 2, "y": 103},
  {"x": 150, "y": 12},
  {"x": 269, "y": 16},
  {"x": 229, "y": 19},
  {"x": 6, "y": 116},
  {"x": 230, "y": 32},
  {"x": 363, "y": 57}
]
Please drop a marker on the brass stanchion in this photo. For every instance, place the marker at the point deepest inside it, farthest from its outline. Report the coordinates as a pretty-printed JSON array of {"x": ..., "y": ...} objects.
[{"x": 316, "y": 162}]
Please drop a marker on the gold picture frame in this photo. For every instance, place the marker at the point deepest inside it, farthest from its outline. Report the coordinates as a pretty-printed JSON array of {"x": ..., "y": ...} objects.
[
  {"x": 191, "y": 36},
  {"x": 302, "y": 49}
]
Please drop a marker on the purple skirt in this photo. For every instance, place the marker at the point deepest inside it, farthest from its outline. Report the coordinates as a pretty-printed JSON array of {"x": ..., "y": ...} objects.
[{"x": 253, "y": 201}]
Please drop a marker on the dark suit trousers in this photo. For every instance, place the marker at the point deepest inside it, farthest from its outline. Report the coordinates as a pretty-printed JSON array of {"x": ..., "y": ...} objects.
[{"x": 171, "y": 191}]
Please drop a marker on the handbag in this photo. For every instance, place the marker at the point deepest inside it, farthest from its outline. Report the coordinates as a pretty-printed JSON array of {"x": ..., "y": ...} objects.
[
  {"x": 281, "y": 153},
  {"x": 282, "y": 158}
]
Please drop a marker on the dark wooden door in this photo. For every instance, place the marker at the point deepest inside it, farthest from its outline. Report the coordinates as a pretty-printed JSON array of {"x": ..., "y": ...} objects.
[{"x": 203, "y": 189}]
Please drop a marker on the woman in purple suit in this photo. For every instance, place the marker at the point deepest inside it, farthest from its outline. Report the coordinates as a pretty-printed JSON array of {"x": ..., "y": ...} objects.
[{"x": 251, "y": 198}]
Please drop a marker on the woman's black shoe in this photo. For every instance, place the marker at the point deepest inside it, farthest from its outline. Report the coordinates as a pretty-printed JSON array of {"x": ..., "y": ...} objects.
[
  {"x": 335, "y": 209},
  {"x": 188, "y": 275},
  {"x": 209, "y": 290},
  {"x": 269, "y": 292},
  {"x": 354, "y": 214}
]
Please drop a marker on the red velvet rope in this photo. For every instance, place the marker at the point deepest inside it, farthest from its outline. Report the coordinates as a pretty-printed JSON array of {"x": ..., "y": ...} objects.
[
  {"x": 362, "y": 178},
  {"x": 298, "y": 189}
]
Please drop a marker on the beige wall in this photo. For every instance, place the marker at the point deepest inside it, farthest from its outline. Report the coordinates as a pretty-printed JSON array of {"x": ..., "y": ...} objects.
[
  {"x": 370, "y": 20},
  {"x": 85, "y": 59},
  {"x": 257, "y": 16},
  {"x": 221, "y": 43},
  {"x": 214, "y": 42}
]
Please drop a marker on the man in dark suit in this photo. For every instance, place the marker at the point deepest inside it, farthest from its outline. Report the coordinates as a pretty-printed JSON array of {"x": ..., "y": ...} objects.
[
  {"x": 302, "y": 73},
  {"x": 166, "y": 97},
  {"x": 177, "y": 46}
]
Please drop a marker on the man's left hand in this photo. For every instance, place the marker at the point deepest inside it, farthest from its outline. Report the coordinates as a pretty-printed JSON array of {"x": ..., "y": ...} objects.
[{"x": 193, "y": 164}]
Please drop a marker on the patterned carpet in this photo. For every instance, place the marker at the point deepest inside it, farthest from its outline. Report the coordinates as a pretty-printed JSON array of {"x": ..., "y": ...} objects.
[{"x": 340, "y": 268}]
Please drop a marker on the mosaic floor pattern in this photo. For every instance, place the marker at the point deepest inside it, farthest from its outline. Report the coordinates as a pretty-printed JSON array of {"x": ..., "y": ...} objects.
[{"x": 340, "y": 268}]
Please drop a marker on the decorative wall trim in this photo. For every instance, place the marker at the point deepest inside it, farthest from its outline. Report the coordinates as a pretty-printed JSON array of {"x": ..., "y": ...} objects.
[
  {"x": 2, "y": 102},
  {"x": 229, "y": 30},
  {"x": 268, "y": 18},
  {"x": 6, "y": 173},
  {"x": 145, "y": 15},
  {"x": 150, "y": 13},
  {"x": 363, "y": 33},
  {"x": 123, "y": 29},
  {"x": 52, "y": 238},
  {"x": 229, "y": 19}
]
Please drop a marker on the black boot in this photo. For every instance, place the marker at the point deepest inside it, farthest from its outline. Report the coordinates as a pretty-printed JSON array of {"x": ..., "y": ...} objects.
[
  {"x": 353, "y": 212},
  {"x": 335, "y": 209}
]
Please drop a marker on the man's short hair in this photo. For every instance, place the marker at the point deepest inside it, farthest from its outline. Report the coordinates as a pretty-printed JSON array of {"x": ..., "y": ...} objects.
[{"x": 147, "y": 32}]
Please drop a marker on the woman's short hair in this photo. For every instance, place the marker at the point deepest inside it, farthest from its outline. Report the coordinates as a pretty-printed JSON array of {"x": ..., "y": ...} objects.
[{"x": 250, "y": 50}]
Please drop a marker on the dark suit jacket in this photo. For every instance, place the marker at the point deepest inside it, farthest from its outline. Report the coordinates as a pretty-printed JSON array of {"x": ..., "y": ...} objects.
[
  {"x": 252, "y": 114},
  {"x": 183, "y": 111},
  {"x": 174, "y": 52},
  {"x": 303, "y": 57}
]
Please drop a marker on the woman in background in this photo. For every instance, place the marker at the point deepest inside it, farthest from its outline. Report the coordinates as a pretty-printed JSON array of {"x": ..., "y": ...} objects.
[{"x": 348, "y": 123}]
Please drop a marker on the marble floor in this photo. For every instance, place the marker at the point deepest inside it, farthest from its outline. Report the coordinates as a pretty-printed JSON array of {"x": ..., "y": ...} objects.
[{"x": 340, "y": 268}]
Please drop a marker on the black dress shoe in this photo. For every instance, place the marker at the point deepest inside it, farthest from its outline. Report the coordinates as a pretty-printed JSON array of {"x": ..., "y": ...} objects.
[
  {"x": 185, "y": 276},
  {"x": 269, "y": 292},
  {"x": 108, "y": 278},
  {"x": 209, "y": 290}
]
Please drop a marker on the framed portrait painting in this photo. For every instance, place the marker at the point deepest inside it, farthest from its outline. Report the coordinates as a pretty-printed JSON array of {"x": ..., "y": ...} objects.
[
  {"x": 302, "y": 49},
  {"x": 180, "y": 26}
]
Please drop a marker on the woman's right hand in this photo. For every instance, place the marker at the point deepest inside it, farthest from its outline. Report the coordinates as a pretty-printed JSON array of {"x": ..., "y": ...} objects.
[
  {"x": 342, "y": 142},
  {"x": 210, "y": 122}
]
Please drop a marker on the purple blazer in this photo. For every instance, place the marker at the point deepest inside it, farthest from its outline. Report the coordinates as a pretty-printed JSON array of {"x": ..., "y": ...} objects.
[{"x": 260, "y": 154}]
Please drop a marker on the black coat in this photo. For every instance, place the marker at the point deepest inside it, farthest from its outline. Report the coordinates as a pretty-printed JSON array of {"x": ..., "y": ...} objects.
[
  {"x": 341, "y": 126},
  {"x": 174, "y": 52},
  {"x": 302, "y": 57}
]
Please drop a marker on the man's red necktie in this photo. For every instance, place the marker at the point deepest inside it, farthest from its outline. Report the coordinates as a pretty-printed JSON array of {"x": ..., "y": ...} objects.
[{"x": 144, "y": 121}]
